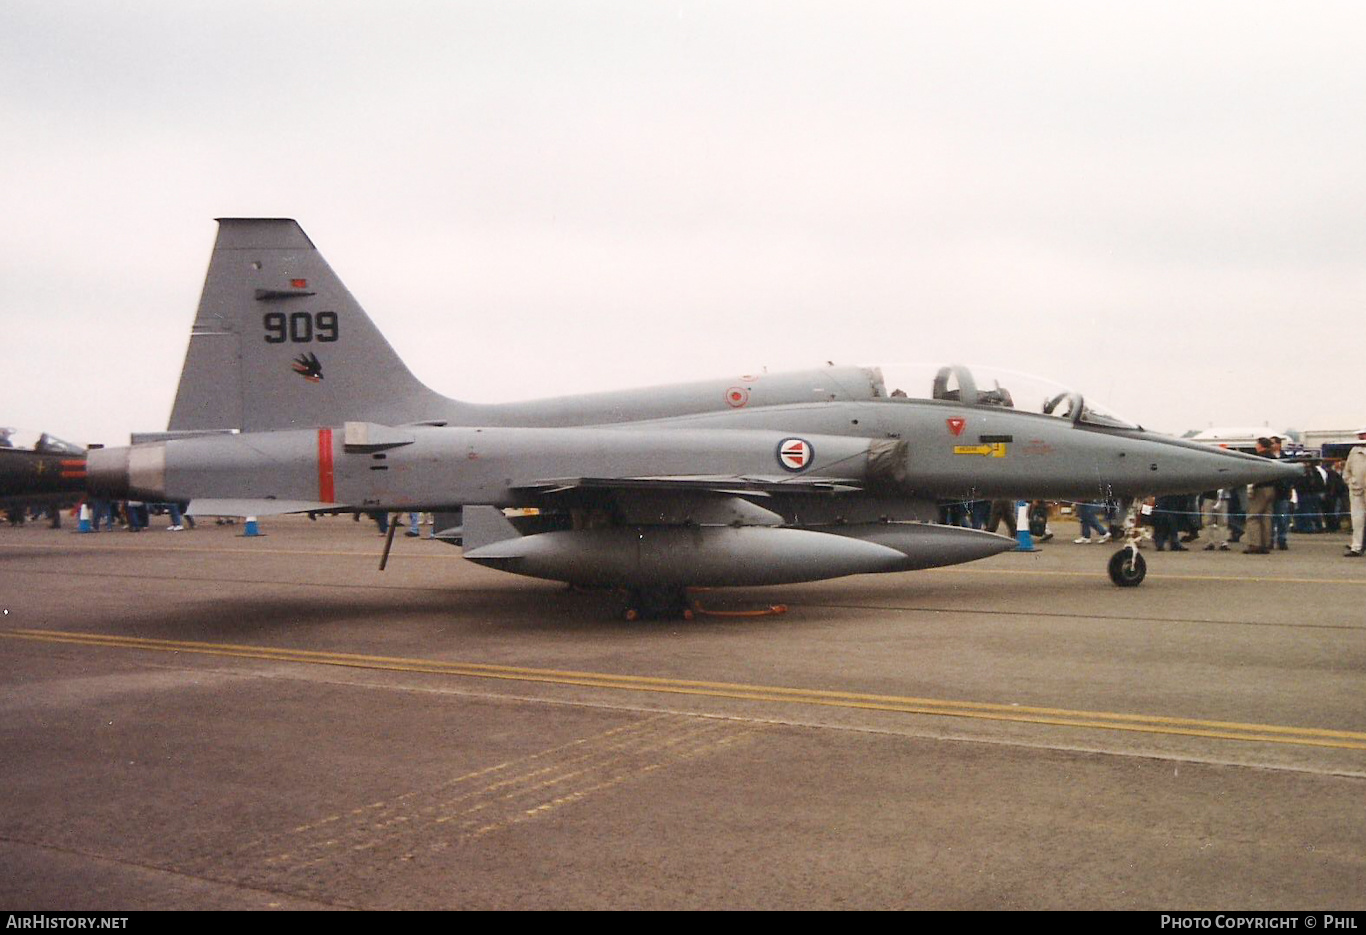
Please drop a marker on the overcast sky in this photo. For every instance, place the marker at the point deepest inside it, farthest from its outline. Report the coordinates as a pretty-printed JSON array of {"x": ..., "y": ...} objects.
[{"x": 1160, "y": 204}]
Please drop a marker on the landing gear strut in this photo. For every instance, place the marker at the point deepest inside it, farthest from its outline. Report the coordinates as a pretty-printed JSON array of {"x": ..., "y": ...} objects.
[
  {"x": 658, "y": 603},
  {"x": 1127, "y": 567},
  {"x": 675, "y": 603}
]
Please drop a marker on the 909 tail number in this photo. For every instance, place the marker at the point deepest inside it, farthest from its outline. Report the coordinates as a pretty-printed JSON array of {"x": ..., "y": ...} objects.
[{"x": 301, "y": 327}]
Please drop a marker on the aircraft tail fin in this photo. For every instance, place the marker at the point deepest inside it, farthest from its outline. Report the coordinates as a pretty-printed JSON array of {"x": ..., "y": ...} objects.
[{"x": 278, "y": 342}]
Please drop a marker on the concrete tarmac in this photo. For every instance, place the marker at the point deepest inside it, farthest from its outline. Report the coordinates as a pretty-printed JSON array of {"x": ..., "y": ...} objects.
[{"x": 201, "y": 720}]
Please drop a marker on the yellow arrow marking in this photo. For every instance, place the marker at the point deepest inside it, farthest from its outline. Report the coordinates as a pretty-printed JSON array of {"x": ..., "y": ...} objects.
[{"x": 994, "y": 450}]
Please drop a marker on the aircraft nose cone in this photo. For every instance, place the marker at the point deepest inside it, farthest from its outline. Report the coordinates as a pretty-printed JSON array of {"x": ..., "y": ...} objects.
[
  {"x": 1184, "y": 467},
  {"x": 1258, "y": 470}
]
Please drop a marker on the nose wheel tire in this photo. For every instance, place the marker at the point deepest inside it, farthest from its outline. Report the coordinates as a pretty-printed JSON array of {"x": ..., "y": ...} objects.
[{"x": 1127, "y": 568}]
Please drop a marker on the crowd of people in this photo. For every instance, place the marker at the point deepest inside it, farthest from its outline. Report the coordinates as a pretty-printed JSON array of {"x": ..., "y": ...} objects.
[
  {"x": 19, "y": 514},
  {"x": 136, "y": 515}
]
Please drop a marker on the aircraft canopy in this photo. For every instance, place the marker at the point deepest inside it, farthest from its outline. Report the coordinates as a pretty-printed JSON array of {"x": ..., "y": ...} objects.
[
  {"x": 41, "y": 442},
  {"x": 997, "y": 387}
]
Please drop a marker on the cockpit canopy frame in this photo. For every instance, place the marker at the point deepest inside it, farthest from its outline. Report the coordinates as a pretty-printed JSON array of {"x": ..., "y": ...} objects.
[{"x": 1068, "y": 404}]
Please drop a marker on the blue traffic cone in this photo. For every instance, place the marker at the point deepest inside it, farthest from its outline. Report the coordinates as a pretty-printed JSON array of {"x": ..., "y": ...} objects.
[{"x": 1024, "y": 542}]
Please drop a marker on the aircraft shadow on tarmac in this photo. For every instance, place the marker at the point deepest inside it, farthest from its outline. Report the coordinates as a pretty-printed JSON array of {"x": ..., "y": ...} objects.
[{"x": 542, "y": 610}]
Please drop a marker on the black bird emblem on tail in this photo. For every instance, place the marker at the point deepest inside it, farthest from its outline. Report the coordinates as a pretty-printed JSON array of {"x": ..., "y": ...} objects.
[{"x": 309, "y": 367}]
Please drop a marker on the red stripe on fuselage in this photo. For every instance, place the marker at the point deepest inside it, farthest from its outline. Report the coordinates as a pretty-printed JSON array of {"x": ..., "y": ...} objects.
[{"x": 326, "y": 480}]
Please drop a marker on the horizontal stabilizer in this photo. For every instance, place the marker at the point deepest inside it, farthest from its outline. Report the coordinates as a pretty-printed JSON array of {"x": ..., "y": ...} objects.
[
  {"x": 486, "y": 526},
  {"x": 448, "y": 526},
  {"x": 145, "y": 438}
]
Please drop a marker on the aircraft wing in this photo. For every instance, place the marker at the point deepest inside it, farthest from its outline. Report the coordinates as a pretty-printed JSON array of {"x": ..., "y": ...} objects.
[
  {"x": 715, "y": 500},
  {"x": 748, "y": 486}
]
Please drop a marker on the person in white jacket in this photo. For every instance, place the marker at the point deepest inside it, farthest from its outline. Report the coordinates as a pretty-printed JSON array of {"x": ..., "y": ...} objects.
[{"x": 1354, "y": 473}]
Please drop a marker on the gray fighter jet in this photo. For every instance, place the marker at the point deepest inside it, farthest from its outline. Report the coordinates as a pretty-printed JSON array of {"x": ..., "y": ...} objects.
[{"x": 291, "y": 400}]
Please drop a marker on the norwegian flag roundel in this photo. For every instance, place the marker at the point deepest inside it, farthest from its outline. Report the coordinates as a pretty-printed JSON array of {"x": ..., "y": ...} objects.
[{"x": 795, "y": 454}]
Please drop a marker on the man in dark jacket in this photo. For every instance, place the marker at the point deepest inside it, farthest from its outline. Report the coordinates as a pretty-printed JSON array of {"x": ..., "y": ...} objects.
[
  {"x": 1281, "y": 509},
  {"x": 1334, "y": 496},
  {"x": 1309, "y": 493}
]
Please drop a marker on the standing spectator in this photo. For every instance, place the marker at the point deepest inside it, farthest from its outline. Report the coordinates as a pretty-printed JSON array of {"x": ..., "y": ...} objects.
[
  {"x": 1167, "y": 513},
  {"x": 1335, "y": 499},
  {"x": 1038, "y": 521},
  {"x": 1188, "y": 518},
  {"x": 1116, "y": 515},
  {"x": 100, "y": 513},
  {"x": 1309, "y": 500},
  {"x": 952, "y": 514},
  {"x": 979, "y": 513},
  {"x": 177, "y": 520},
  {"x": 136, "y": 511},
  {"x": 1237, "y": 513},
  {"x": 1214, "y": 517},
  {"x": 1091, "y": 514},
  {"x": 1261, "y": 501},
  {"x": 1281, "y": 508},
  {"x": 1002, "y": 511},
  {"x": 1354, "y": 473}
]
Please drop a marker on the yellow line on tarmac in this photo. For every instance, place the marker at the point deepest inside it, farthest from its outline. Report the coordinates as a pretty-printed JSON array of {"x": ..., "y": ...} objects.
[
  {"x": 1263, "y": 580},
  {"x": 1059, "y": 717}
]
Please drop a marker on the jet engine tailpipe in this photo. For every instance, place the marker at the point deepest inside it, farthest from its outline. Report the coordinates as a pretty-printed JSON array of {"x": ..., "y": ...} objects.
[{"x": 137, "y": 471}]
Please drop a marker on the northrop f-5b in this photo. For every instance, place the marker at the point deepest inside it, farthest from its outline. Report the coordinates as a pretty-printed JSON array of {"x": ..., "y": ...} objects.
[{"x": 291, "y": 401}]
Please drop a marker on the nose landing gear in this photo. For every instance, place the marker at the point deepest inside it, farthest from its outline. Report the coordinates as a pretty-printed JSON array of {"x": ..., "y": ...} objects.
[{"x": 1127, "y": 566}]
